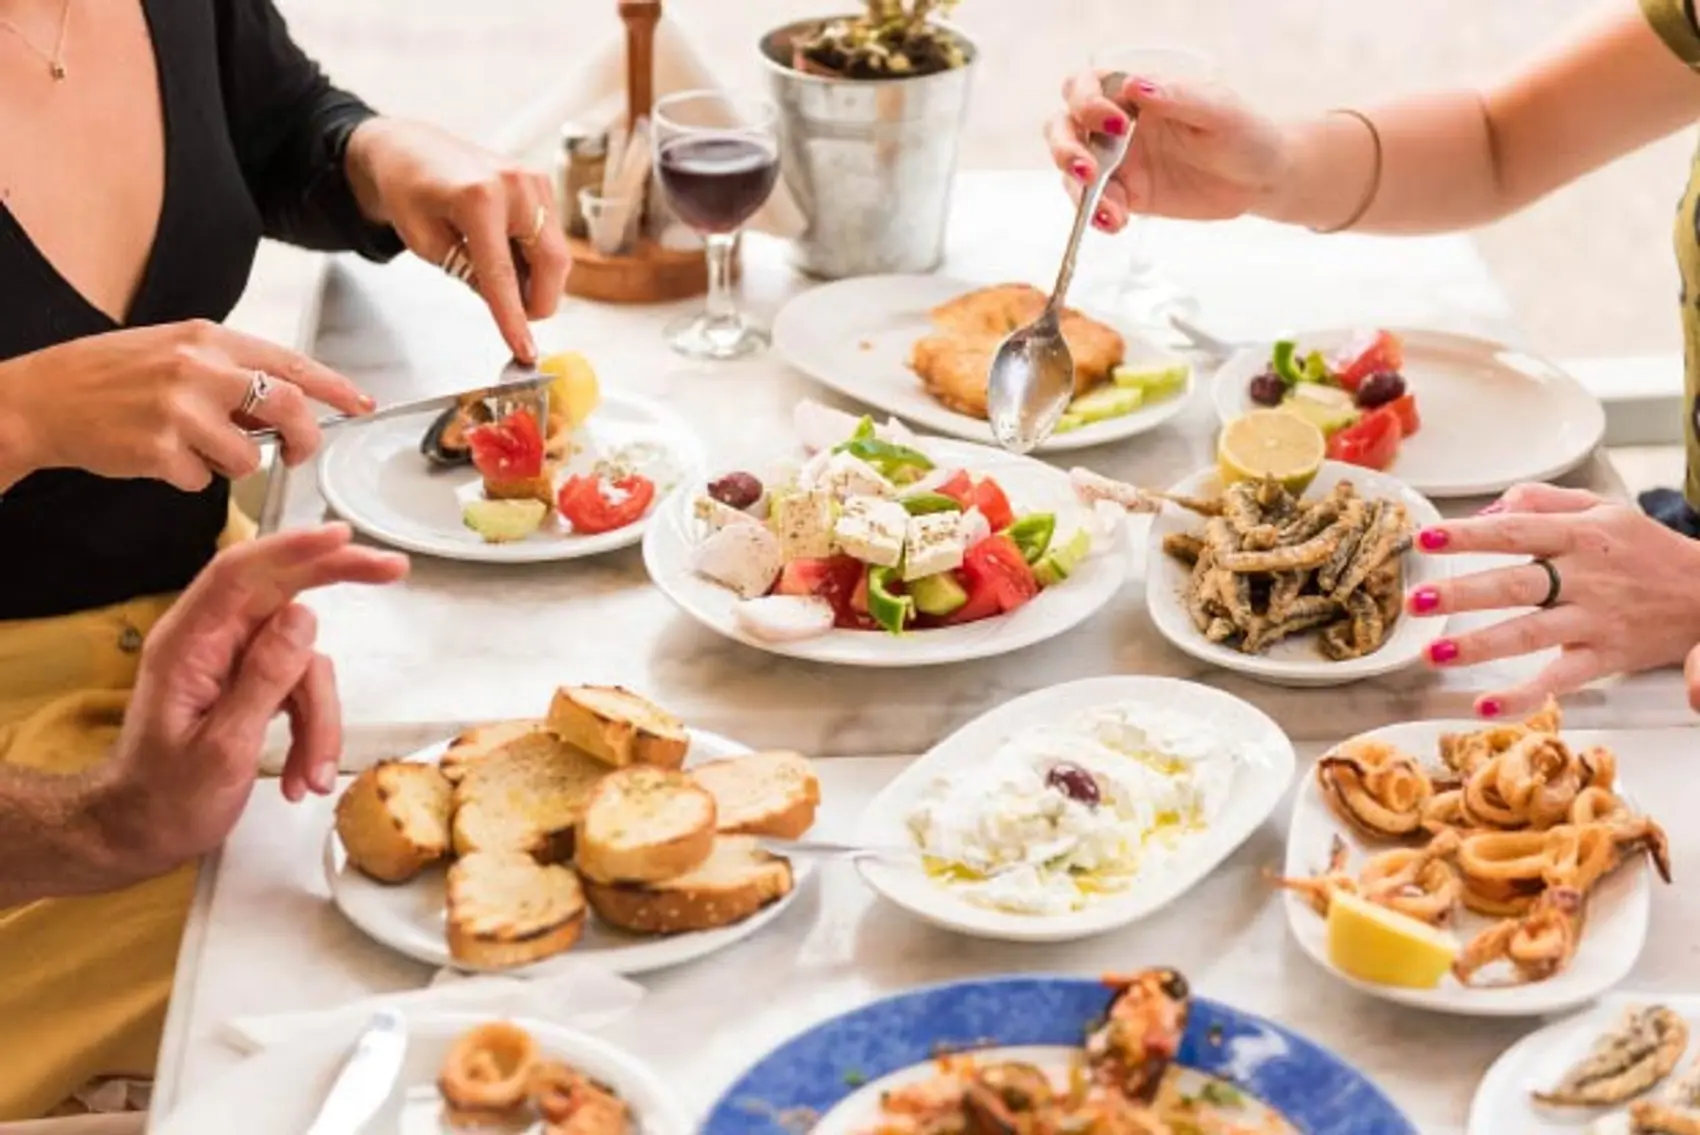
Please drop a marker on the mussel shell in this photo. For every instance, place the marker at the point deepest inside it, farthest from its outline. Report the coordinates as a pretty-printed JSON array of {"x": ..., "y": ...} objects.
[{"x": 444, "y": 444}]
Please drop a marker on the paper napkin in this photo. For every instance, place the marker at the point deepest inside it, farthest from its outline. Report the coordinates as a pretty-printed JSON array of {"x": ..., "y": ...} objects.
[{"x": 582, "y": 996}]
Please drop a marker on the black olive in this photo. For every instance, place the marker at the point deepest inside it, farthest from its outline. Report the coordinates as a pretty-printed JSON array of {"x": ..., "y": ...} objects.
[
  {"x": 1267, "y": 389},
  {"x": 735, "y": 490},
  {"x": 1075, "y": 783},
  {"x": 1174, "y": 986},
  {"x": 1381, "y": 388}
]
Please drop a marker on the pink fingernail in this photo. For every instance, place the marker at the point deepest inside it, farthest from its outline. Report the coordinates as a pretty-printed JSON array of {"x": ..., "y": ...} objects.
[
  {"x": 1116, "y": 125},
  {"x": 1147, "y": 88},
  {"x": 323, "y": 777},
  {"x": 367, "y": 402},
  {"x": 1081, "y": 171},
  {"x": 1432, "y": 539},
  {"x": 1489, "y": 707},
  {"x": 1102, "y": 220},
  {"x": 1441, "y": 651},
  {"x": 1424, "y": 600},
  {"x": 1496, "y": 506}
]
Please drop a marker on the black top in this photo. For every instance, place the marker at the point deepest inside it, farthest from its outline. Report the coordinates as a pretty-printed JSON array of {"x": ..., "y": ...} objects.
[{"x": 254, "y": 142}]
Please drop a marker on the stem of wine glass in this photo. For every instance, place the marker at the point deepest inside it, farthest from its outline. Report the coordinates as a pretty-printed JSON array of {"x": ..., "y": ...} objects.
[
  {"x": 722, "y": 304},
  {"x": 1136, "y": 235}
]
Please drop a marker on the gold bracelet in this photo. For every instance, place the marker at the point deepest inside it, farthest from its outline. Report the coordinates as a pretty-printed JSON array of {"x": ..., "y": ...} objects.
[{"x": 1374, "y": 175}]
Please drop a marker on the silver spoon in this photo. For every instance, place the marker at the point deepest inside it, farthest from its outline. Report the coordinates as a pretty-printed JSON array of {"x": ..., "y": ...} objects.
[
  {"x": 852, "y": 852},
  {"x": 1032, "y": 376}
]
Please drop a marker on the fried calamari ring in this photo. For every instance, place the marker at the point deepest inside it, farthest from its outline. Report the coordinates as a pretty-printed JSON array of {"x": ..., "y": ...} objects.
[
  {"x": 1503, "y": 857},
  {"x": 1417, "y": 882},
  {"x": 1599, "y": 766},
  {"x": 1579, "y": 856},
  {"x": 1383, "y": 798},
  {"x": 486, "y": 1076},
  {"x": 1538, "y": 945},
  {"x": 1599, "y": 806},
  {"x": 1445, "y": 810}
]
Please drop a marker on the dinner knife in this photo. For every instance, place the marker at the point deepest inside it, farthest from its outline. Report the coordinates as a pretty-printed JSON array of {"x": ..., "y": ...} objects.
[
  {"x": 515, "y": 379},
  {"x": 366, "y": 1079}
]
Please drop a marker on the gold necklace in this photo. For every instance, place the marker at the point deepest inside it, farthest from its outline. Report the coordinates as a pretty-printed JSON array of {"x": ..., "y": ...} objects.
[{"x": 55, "y": 60}]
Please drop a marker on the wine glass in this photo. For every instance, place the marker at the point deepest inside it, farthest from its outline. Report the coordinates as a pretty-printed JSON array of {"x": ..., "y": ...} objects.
[
  {"x": 717, "y": 159},
  {"x": 1145, "y": 295}
]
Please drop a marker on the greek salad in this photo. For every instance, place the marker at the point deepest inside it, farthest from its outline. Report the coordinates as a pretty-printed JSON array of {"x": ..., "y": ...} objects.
[
  {"x": 1358, "y": 399},
  {"x": 871, "y": 534}
]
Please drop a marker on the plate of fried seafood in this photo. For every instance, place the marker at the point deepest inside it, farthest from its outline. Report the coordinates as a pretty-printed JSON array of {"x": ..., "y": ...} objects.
[
  {"x": 1297, "y": 589},
  {"x": 605, "y": 832},
  {"x": 921, "y": 347},
  {"x": 1135, "y": 1054},
  {"x": 1513, "y": 848},
  {"x": 461, "y": 1073},
  {"x": 1627, "y": 1066}
]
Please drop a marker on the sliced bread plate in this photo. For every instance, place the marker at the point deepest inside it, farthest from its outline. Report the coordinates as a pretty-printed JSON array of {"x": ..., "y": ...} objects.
[
  {"x": 854, "y": 336},
  {"x": 410, "y": 917},
  {"x": 1297, "y": 660},
  {"x": 375, "y": 478},
  {"x": 279, "y": 1090},
  {"x": 1614, "y": 929},
  {"x": 1537, "y": 1063},
  {"x": 1249, "y": 1074},
  {"x": 1032, "y": 486},
  {"x": 1491, "y": 416},
  {"x": 1159, "y": 736}
]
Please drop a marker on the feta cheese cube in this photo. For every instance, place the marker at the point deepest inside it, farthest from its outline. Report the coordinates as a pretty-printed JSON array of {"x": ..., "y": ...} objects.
[
  {"x": 803, "y": 522},
  {"x": 847, "y": 475},
  {"x": 872, "y": 530},
  {"x": 744, "y": 557},
  {"x": 934, "y": 543},
  {"x": 718, "y": 514}
]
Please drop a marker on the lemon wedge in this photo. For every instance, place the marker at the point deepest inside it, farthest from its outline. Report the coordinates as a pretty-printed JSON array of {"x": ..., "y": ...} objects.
[
  {"x": 1372, "y": 943},
  {"x": 1271, "y": 443},
  {"x": 574, "y": 394}
]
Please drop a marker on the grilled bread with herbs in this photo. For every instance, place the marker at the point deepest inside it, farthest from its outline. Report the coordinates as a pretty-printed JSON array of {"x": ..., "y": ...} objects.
[
  {"x": 643, "y": 825},
  {"x": 505, "y": 909},
  {"x": 736, "y": 881},
  {"x": 618, "y": 727},
  {"x": 770, "y": 794},
  {"x": 394, "y": 819},
  {"x": 479, "y": 741},
  {"x": 526, "y": 795}
]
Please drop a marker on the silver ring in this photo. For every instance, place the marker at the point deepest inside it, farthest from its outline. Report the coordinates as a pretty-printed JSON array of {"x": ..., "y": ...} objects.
[
  {"x": 458, "y": 264},
  {"x": 539, "y": 218},
  {"x": 1555, "y": 584},
  {"x": 259, "y": 389}
]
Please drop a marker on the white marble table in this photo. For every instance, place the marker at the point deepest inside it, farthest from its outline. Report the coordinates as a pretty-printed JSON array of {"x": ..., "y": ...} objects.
[
  {"x": 462, "y": 642},
  {"x": 265, "y": 938}
]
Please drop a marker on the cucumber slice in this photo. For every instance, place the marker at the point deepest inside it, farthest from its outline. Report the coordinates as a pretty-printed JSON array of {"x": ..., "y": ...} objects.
[
  {"x": 1156, "y": 382},
  {"x": 504, "y": 521}
]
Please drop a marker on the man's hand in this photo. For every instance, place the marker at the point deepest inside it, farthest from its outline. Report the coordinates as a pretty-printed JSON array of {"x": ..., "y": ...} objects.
[{"x": 234, "y": 652}]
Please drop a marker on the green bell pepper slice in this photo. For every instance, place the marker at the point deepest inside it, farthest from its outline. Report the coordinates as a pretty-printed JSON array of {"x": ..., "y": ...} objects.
[
  {"x": 1032, "y": 534},
  {"x": 891, "y": 610},
  {"x": 896, "y": 463},
  {"x": 1283, "y": 361},
  {"x": 925, "y": 504}
]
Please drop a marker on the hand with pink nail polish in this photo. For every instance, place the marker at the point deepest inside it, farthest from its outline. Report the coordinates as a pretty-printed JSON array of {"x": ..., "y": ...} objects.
[
  {"x": 1612, "y": 590},
  {"x": 1197, "y": 152}
]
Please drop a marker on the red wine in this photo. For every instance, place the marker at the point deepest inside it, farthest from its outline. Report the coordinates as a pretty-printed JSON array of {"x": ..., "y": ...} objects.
[{"x": 716, "y": 182}]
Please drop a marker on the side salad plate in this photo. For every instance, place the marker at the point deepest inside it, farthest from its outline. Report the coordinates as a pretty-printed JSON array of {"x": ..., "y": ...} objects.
[
  {"x": 1076, "y": 810},
  {"x": 1450, "y": 415}
]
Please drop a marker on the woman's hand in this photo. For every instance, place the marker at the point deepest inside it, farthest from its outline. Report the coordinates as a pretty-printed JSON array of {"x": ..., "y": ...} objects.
[
  {"x": 233, "y": 652},
  {"x": 440, "y": 192},
  {"x": 162, "y": 402},
  {"x": 1198, "y": 153},
  {"x": 1627, "y": 600}
]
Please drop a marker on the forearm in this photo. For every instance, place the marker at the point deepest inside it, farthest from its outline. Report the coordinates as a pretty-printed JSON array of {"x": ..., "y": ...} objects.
[{"x": 58, "y": 836}]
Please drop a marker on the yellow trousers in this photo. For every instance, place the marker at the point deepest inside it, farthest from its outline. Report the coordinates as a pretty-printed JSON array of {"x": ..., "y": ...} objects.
[{"x": 84, "y": 982}]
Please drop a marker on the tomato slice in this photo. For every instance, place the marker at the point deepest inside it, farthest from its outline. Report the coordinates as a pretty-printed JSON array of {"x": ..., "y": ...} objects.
[
  {"x": 1371, "y": 444},
  {"x": 1382, "y": 352},
  {"x": 837, "y": 579},
  {"x": 1405, "y": 409},
  {"x": 959, "y": 488},
  {"x": 982, "y": 602},
  {"x": 989, "y": 498},
  {"x": 997, "y": 579},
  {"x": 597, "y": 504},
  {"x": 508, "y": 450}
]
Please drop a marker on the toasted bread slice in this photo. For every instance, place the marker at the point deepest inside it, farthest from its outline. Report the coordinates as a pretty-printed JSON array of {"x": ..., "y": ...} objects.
[
  {"x": 506, "y": 909},
  {"x": 736, "y": 881},
  {"x": 394, "y": 819},
  {"x": 643, "y": 825},
  {"x": 480, "y": 741},
  {"x": 772, "y": 794},
  {"x": 540, "y": 487},
  {"x": 526, "y": 795},
  {"x": 618, "y": 727}
]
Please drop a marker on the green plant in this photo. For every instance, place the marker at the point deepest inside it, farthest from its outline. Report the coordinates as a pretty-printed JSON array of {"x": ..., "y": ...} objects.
[{"x": 893, "y": 39}]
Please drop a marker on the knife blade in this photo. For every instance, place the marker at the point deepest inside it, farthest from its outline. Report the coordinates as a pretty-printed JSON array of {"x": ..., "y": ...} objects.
[
  {"x": 366, "y": 1079},
  {"x": 515, "y": 379}
]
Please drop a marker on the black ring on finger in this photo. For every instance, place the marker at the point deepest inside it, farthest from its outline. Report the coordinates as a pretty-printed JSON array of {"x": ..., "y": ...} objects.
[{"x": 1555, "y": 584}]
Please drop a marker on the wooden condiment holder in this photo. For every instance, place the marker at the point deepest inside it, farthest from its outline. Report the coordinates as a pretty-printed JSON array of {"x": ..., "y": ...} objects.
[{"x": 649, "y": 273}]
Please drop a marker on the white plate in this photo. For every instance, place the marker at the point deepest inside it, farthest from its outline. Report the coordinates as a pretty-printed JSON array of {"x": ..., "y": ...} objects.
[
  {"x": 1615, "y": 932},
  {"x": 1259, "y": 786},
  {"x": 278, "y": 1091},
  {"x": 1491, "y": 416},
  {"x": 1297, "y": 661},
  {"x": 409, "y": 918},
  {"x": 375, "y": 478},
  {"x": 1537, "y": 1061},
  {"x": 855, "y": 335},
  {"x": 1032, "y": 486}
]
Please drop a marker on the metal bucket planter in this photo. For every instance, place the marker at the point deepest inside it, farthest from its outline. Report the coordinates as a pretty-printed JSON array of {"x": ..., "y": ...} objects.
[{"x": 869, "y": 161}]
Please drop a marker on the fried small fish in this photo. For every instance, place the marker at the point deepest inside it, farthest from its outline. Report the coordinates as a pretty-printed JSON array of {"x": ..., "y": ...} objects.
[
  {"x": 1675, "y": 1110},
  {"x": 1623, "y": 1062},
  {"x": 1184, "y": 546}
]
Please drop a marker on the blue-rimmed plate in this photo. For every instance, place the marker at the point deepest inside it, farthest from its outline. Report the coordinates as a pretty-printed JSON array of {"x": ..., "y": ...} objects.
[{"x": 828, "y": 1079}]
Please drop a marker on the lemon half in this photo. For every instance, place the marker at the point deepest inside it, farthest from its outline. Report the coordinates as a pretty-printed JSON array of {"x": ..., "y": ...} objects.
[
  {"x": 575, "y": 394},
  {"x": 1372, "y": 943},
  {"x": 1271, "y": 443}
]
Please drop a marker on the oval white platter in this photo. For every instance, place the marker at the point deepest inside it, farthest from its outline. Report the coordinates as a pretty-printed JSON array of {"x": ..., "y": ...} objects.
[
  {"x": 1491, "y": 416},
  {"x": 1261, "y": 782},
  {"x": 1297, "y": 661},
  {"x": 1031, "y": 485},
  {"x": 409, "y": 918},
  {"x": 854, "y": 336},
  {"x": 1612, "y": 938},
  {"x": 374, "y": 477},
  {"x": 279, "y": 1090},
  {"x": 1503, "y": 1102}
]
